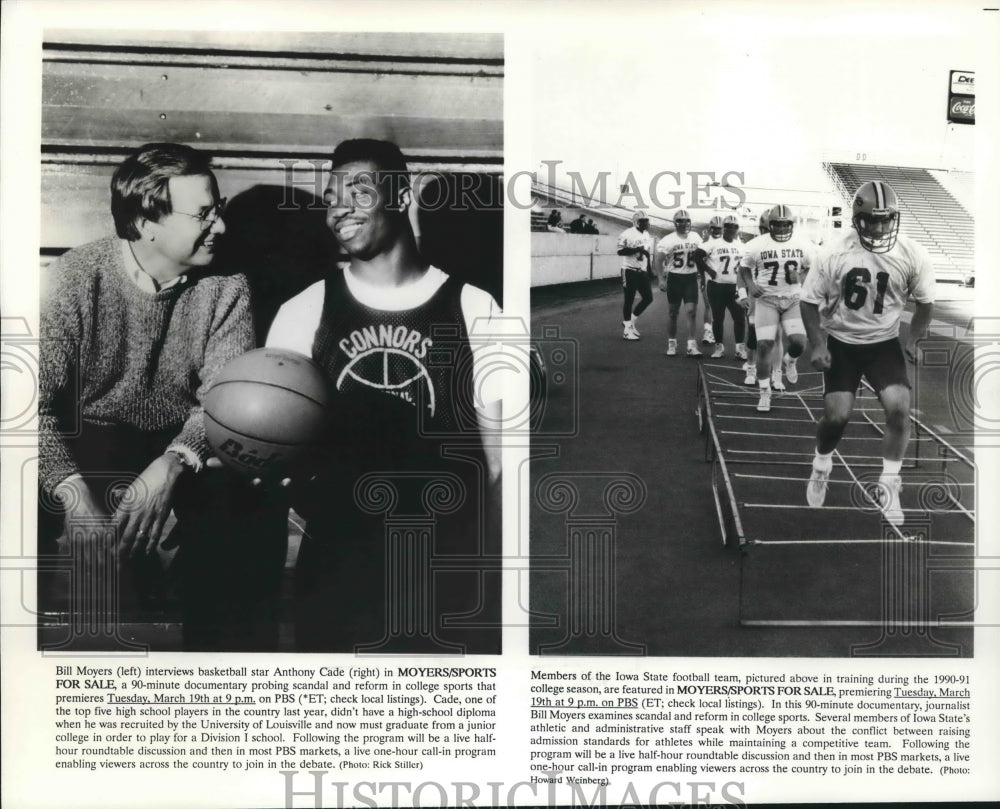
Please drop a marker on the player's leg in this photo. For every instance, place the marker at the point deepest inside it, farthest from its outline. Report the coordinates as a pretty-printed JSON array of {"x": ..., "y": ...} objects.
[
  {"x": 887, "y": 373},
  {"x": 629, "y": 287},
  {"x": 767, "y": 329},
  {"x": 708, "y": 321},
  {"x": 690, "y": 312},
  {"x": 739, "y": 320},
  {"x": 645, "y": 298},
  {"x": 795, "y": 341},
  {"x": 750, "y": 366},
  {"x": 674, "y": 301},
  {"x": 840, "y": 381},
  {"x": 777, "y": 351},
  {"x": 715, "y": 302}
]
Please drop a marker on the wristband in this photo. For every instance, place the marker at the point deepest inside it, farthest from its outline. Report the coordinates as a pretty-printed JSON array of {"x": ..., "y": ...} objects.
[{"x": 741, "y": 294}]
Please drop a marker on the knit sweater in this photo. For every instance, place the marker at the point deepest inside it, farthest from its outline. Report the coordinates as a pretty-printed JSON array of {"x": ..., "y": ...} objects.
[{"x": 133, "y": 358}]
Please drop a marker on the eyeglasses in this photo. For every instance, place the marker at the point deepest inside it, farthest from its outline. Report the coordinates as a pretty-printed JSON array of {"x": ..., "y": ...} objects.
[{"x": 209, "y": 217}]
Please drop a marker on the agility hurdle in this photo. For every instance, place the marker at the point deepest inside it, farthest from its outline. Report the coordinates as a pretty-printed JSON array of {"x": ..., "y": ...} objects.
[{"x": 843, "y": 564}]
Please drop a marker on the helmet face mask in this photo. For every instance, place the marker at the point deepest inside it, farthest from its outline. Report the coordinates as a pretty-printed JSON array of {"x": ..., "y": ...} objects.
[
  {"x": 682, "y": 222},
  {"x": 780, "y": 223},
  {"x": 876, "y": 217}
]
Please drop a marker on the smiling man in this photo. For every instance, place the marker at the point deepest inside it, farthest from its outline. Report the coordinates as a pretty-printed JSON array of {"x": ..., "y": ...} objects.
[
  {"x": 133, "y": 330},
  {"x": 397, "y": 340}
]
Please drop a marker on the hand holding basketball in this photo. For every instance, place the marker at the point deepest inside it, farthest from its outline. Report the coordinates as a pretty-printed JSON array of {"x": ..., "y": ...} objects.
[{"x": 266, "y": 413}]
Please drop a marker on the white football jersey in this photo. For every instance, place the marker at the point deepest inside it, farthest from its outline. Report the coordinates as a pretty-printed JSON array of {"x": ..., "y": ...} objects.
[
  {"x": 861, "y": 295},
  {"x": 678, "y": 252},
  {"x": 632, "y": 238},
  {"x": 776, "y": 266},
  {"x": 724, "y": 258}
]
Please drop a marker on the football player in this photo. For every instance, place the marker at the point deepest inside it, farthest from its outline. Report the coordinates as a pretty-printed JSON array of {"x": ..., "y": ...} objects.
[
  {"x": 679, "y": 279},
  {"x": 714, "y": 231},
  {"x": 772, "y": 267},
  {"x": 857, "y": 293},
  {"x": 719, "y": 260},
  {"x": 635, "y": 246}
]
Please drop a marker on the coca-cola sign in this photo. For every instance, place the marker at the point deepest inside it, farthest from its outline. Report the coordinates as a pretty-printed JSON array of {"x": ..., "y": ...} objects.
[{"x": 962, "y": 109}]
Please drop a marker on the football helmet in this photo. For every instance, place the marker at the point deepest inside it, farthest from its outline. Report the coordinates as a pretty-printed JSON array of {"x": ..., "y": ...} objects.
[
  {"x": 715, "y": 227},
  {"x": 780, "y": 223},
  {"x": 763, "y": 226},
  {"x": 682, "y": 222},
  {"x": 638, "y": 217},
  {"x": 730, "y": 227},
  {"x": 875, "y": 215}
]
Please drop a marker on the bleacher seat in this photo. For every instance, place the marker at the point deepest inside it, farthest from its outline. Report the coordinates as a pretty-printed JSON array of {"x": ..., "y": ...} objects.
[{"x": 931, "y": 215}]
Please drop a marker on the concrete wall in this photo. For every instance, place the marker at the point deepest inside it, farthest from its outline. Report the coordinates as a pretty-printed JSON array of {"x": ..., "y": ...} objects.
[{"x": 560, "y": 258}]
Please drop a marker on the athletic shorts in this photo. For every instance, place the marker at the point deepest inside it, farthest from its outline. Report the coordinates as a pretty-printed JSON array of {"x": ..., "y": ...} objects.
[
  {"x": 770, "y": 311},
  {"x": 682, "y": 287},
  {"x": 882, "y": 364}
]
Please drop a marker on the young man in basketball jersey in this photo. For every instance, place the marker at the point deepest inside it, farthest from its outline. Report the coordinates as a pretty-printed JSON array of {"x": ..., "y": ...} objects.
[
  {"x": 134, "y": 328},
  {"x": 851, "y": 306},
  {"x": 396, "y": 340}
]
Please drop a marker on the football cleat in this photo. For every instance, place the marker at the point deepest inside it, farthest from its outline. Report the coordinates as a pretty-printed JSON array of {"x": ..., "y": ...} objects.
[
  {"x": 707, "y": 335},
  {"x": 875, "y": 216},
  {"x": 741, "y": 352},
  {"x": 764, "y": 403},
  {"x": 671, "y": 348},
  {"x": 776, "y": 382},
  {"x": 887, "y": 497},
  {"x": 692, "y": 349},
  {"x": 720, "y": 351},
  {"x": 629, "y": 333},
  {"x": 791, "y": 370},
  {"x": 816, "y": 490}
]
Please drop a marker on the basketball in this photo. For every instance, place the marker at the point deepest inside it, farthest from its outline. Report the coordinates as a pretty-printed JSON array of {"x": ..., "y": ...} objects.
[{"x": 266, "y": 413}]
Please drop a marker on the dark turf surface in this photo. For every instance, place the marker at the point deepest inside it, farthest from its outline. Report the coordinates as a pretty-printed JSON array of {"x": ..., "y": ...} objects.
[{"x": 625, "y": 542}]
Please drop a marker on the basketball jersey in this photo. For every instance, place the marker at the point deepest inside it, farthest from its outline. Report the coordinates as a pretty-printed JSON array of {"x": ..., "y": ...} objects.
[
  {"x": 632, "y": 238},
  {"x": 678, "y": 252},
  {"x": 776, "y": 265},
  {"x": 724, "y": 258},
  {"x": 861, "y": 295}
]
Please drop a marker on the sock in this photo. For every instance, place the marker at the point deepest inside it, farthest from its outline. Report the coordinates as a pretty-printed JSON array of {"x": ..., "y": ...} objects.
[
  {"x": 626, "y": 322},
  {"x": 891, "y": 467},
  {"x": 823, "y": 461},
  {"x": 632, "y": 321}
]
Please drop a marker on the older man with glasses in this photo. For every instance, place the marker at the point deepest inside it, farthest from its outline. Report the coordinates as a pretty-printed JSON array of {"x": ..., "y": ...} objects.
[{"x": 133, "y": 330}]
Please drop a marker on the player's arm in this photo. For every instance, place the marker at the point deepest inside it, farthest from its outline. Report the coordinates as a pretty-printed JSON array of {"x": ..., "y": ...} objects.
[
  {"x": 58, "y": 471},
  {"x": 746, "y": 273},
  {"x": 700, "y": 260},
  {"x": 813, "y": 293},
  {"x": 918, "y": 327},
  {"x": 150, "y": 496}
]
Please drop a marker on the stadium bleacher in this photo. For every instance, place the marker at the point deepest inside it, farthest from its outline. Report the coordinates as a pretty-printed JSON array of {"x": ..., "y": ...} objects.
[{"x": 931, "y": 214}]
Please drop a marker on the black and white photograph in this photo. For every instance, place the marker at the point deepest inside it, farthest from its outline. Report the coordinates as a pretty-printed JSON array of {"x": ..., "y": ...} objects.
[
  {"x": 547, "y": 403},
  {"x": 271, "y": 263},
  {"x": 754, "y": 264}
]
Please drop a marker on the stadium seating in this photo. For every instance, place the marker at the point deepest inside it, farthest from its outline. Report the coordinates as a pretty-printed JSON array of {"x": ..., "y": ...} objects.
[{"x": 930, "y": 214}]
